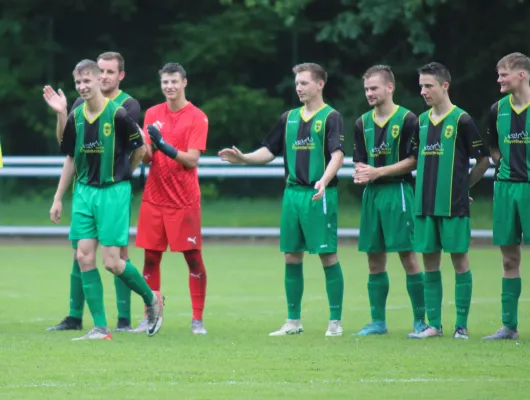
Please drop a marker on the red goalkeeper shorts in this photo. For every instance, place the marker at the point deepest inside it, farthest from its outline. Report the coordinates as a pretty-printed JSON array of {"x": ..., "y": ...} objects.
[{"x": 159, "y": 226}]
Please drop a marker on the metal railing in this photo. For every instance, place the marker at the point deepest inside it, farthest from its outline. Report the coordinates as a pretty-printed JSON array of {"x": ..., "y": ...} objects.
[{"x": 209, "y": 167}]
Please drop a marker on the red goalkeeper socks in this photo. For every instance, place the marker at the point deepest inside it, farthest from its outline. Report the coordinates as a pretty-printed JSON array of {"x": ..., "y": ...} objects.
[
  {"x": 197, "y": 281},
  {"x": 152, "y": 269}
]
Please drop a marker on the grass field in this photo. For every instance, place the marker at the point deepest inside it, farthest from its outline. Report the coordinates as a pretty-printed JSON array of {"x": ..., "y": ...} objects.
[
  {"x": 219, "y": 212},
  {"x": 237, "y": 359}
]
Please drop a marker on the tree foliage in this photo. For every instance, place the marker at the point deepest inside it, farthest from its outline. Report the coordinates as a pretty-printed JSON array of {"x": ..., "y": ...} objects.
[{"x": 239, "y": 55}]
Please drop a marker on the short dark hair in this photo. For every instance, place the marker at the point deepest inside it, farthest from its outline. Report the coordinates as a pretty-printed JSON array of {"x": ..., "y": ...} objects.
[
  {"x": 173, "y": 68},
  {"x": 384, "y": 70},
  {"x": 87, "y": 65},
  {"x": 317, "y": 71},
  {"x": 439, "y": 71},
  {"x": 113, "y": 55},
  {"x": 515, "y": 60}
]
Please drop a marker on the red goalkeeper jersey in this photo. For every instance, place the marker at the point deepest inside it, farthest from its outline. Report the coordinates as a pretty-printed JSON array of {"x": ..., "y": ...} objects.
[{"x": 169, "y": 183}]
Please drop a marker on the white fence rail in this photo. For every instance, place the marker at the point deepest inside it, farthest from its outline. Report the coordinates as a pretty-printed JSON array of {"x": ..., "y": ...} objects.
[{"x": 209, "y": 167}]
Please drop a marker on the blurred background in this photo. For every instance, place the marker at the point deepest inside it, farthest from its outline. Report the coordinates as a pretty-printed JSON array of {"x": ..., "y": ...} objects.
[{"x": 238, "y": 56}]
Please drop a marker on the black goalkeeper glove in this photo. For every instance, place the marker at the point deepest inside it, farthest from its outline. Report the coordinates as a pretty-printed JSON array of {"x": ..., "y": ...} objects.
[{"x": 158, "y": 142}]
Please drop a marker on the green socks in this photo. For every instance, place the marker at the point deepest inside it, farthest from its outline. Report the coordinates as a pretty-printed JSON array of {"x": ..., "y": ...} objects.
[
  {"x": 123, "y": 298},
  {"x": 77, "y": 297},
  {"x": 415, "y": 288},
  {"x": 294, "y": 289},
  {"x": 135, "y": 281},
  {"x": 93, "y": 288},
  {"x": 511, "y": 290},
  {"x": 378, "y": 287},
  {"x": 433, "y": 298},
  {"x": 463, "y": 290},
  {"x": 335, "y": 290}
]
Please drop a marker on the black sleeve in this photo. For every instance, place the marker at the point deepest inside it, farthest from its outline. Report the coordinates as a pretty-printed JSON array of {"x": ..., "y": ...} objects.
[
  {"x": 493, "y": 134},
  {"x": 415, "y": 141},
  {"x": 69, "y": 136},
  {"x": 276, "y": 137},
  {"x": 77, "y": 103},
  {"x": 126, "y": 130},
  {"x": 410, "y": 129},
  {"x": 335, "y": 132},
  {"x": 467, "y": 129},
  {"x": 133, "y": 109},
  {"x": 359, "y": 146}
]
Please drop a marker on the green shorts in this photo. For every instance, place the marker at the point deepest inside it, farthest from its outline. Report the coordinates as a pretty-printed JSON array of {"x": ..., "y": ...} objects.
[
  {"x": 102, "y": 213},
  {"x": 450, "y": 234},
  {"x": 74, "y": 242},
  {"x": 306, "y": 224},
  {"x": 511, "y": 213},
  {"x": 387, "y": 218}
]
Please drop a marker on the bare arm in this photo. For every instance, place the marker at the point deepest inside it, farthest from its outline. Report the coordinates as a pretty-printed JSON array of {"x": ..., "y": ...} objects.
[
  {"x": 366, "y": 173},
  {"x": 495, "y": 155},
  {"x": 190, "y": 158},
  {"x": 67, "y": 175},
  {"x": 478, "y": 170},
  {"x": 336, "y": 162},
  {"x": 261, "y": 156},
  {"x": 136, "y": 157},
  {"x": 61, "y": 123},
  {"x": 65, "y": 181}
]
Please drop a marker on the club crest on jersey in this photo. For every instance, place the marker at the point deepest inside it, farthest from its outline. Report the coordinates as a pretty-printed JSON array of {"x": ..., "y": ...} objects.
[
  {"x": 318, "y": 126},
  {"x": 449, "y": 131},
  {"x": 395, "y": 131},
  {"x": 107, "y": 129}
]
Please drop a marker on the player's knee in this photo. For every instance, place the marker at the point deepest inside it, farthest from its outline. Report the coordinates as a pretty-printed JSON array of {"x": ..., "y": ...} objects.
[
  {"x": 431, "y": 261},
  {"x": 511, "y": 261},
  {"x": 112, "y": 263},
  {"x": 294, "y": 258},
  {"x": 86, "y": 260},
  {"x": 329, "y": 259},
  {"x": 409, "y": 262},
  {"x": 460, "y": 262},
  {"x": 376, "y": 262},
  {"x": 124, "y": 253}
]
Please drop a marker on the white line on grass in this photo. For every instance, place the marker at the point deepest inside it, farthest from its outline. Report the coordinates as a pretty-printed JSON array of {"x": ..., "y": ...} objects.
[{"x": 254, "y": 383}]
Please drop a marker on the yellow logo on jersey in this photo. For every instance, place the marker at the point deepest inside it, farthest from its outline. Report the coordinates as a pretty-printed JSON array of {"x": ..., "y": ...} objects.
[
  {"x": 107, "y": 129},
  {"x": 395, "y": 131},
  {"x": 318, "y": 126},
  {"x": 449, "y": 131}
]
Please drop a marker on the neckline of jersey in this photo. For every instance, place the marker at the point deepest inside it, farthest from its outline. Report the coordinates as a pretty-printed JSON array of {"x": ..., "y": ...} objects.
[{"x": 442, "y": 118}]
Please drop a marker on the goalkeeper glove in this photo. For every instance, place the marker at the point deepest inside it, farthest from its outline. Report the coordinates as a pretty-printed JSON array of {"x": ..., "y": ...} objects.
[{"x": 159, "y": 143}]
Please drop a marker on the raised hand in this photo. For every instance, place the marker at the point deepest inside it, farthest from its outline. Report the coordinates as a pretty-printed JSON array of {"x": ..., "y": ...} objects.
[
  {"x": 159, "y": 143},
  {"x": 56, "y": 100}
]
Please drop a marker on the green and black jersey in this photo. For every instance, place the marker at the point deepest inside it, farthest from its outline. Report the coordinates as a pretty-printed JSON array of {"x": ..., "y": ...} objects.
[
  {"x": 509, "y": 132},
  {"x": 307, "y": 144},
  {"x": 380, "y": 144},
  {"x": 101, "y": 147},
  {"x": 130, "y": 104},
  {"x": 443, "y": 150}
]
